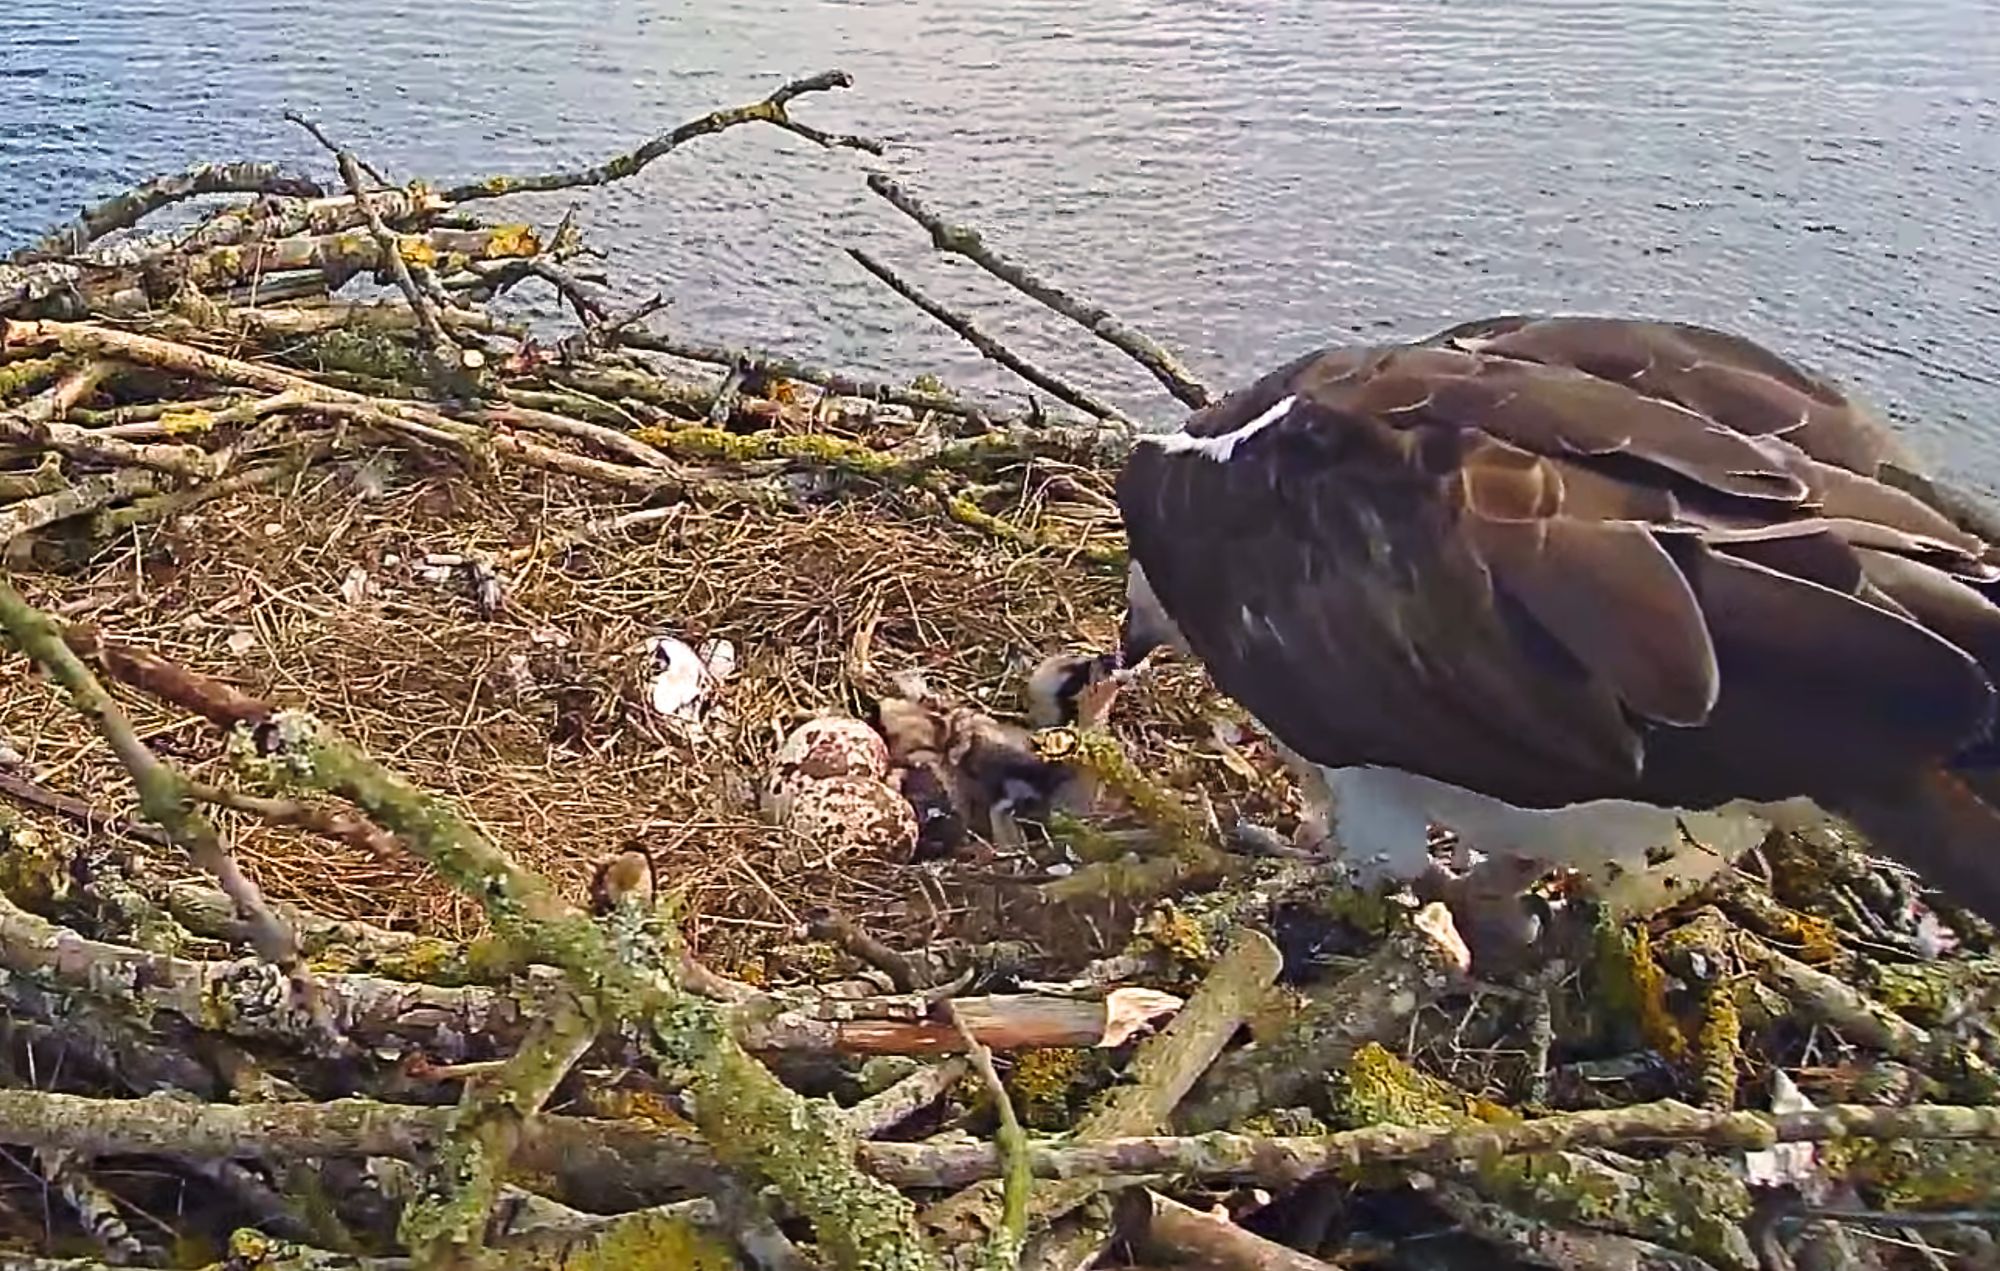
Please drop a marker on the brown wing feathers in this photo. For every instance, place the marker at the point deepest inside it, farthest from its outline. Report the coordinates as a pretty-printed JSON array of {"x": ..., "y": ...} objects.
[{"x": 1651, "y": 558}]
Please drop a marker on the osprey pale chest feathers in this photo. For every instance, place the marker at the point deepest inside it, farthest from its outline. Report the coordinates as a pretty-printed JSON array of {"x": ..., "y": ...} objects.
[{"x": 1579, "y": 589}]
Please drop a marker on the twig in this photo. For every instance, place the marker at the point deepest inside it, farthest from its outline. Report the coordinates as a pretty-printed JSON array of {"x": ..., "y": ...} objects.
[
  {"x": 87, "y": 495},
  {"x": 905, "y": 973},
  {"x": 1002, "y": 1251},
  {"x": 879, "y": 1113},
  {"x": 429, "y": 330},
  {"x": 163, "y": 792},
  {"x": 95, "y": 1209},
  {"x": 1165, "y": 1068},
  {"x": 121, "y": 211},
  {"x": 772, "y": 110},
  {"x": 965, "y": 241},
  {"x": 1165, "y": 1227},
  {"x": 1417, "y": 962},
  {"x": 622, "y": 444},
  {"x": 91, "y": 817},
  {"x": 971, "y": 332}
]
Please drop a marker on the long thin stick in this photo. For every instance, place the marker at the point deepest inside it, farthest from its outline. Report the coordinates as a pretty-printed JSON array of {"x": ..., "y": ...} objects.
[
  {"x": 970, "y": 331},
  {"x": 772, "y": 110},
  {"x": 963, "y": 240}
]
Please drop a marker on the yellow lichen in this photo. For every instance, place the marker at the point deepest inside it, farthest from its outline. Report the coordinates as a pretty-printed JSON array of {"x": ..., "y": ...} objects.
[
  {"x": 1043, "y": 1083},
  {"x": 1637, "y": 980},
  {"x": 1378, "y": 1088},
  {"x": 513, "y": 240},
  {"x": 1178, "y": 933},
  {"x": 1721, "y": 1042},
  {"x": 179, "y": 423},
  {"x": 416, "y": 251}
]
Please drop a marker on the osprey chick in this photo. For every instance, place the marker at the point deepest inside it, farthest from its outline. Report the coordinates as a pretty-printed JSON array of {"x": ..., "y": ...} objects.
[{"x": 1574, "y": 587}]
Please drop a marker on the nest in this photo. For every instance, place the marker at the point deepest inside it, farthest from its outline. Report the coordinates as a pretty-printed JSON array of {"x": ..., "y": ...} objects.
[{"x": 516, "y": 975}]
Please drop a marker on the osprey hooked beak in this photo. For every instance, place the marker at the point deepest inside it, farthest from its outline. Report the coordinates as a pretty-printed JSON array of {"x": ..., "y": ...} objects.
[{"x": 1146, "y": 626}]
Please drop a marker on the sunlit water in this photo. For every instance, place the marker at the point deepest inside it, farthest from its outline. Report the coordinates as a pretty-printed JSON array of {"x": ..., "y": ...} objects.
[{"x": 1245, "y": 178}]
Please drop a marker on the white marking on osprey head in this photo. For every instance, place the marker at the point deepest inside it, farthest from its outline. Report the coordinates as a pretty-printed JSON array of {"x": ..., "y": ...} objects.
[{"x": 1221, "y": 448}]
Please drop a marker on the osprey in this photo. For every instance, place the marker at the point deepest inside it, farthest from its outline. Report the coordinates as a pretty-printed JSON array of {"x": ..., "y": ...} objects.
[{"x": 1576, "y": 587}]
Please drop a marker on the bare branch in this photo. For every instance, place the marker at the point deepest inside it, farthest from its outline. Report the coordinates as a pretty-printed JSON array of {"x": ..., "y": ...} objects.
[
  {"x": 122, "y": 211},
  {"x": 963, "y": 240},
  {"x": 986, "y": 344},
  {"x": 772, "y": 110}
]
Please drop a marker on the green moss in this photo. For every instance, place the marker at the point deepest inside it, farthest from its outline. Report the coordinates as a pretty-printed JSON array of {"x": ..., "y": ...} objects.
[{"x": 18, "y": 379}]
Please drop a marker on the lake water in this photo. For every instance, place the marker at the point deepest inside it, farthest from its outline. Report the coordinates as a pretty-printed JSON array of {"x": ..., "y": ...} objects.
[{"x": 1243, "y": 178}]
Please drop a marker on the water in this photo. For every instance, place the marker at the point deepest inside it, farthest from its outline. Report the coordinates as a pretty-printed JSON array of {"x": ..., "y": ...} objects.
[{"x": 1243, "y": 178}]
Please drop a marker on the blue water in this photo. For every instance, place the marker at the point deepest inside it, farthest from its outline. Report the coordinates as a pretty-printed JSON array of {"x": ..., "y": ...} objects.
[{"x": 1245, "y": 178}]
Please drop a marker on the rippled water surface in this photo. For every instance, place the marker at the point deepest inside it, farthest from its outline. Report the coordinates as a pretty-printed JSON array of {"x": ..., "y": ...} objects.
[{"x": 1246, "y": 178}]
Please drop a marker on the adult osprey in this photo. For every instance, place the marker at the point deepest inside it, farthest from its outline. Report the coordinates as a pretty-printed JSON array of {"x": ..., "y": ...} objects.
[{"x": 1567, "y": 585}]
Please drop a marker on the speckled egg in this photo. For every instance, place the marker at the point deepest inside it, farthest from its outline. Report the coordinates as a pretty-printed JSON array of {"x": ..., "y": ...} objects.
[
  {"x": 839, "y": 815},
  {"x": 831, "y": 746}
]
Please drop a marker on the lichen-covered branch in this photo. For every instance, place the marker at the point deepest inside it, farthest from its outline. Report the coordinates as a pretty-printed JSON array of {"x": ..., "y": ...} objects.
[
  {"x": 803, "y": 1147},
  {"x": 773, "y": 110},
  {"x": 632, "y": 1161},
  {"x": 448, "y": 1221},
  {"x": 126, "y": 209},
  {"x": 1420, "y": 960},
  {"x": 163, "y": 792},
  {"x": 87, "y": 495},
  {"x": 1165, "y": 1068}
]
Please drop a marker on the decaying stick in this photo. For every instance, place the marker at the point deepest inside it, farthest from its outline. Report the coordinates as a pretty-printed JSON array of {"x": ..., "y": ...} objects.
[
  {"x": 890, "y": 1108},
  {"x": 87, "y": 495},
  {"x": 1417, "y": 962},
  {"x": 1165, "y": 1068},
  {"x": 1163, "y": 1226},
  {"x": 963, "y": 240},
  {"x": 163, "y": 793},
  {"x": 973, "y": 334},
  {"x": 122, "y": 211}
]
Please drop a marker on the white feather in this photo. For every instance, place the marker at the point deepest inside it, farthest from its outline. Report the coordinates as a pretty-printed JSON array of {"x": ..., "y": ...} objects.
[{"x": 1220, "y": 448}]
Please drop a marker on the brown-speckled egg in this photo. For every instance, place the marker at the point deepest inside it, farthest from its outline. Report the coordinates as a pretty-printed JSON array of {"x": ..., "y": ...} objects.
[
  {"x": 846, "y": 814},
  {"x": 831, "y": 746}
]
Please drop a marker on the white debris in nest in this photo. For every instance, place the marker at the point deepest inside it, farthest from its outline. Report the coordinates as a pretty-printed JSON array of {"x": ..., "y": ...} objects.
[
  {"x": 355, "y": 586},
  {"x": 1785, "y": 1164},
  {"x": 684, "y": 679},
  {"x": 241, "y": 641}
]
